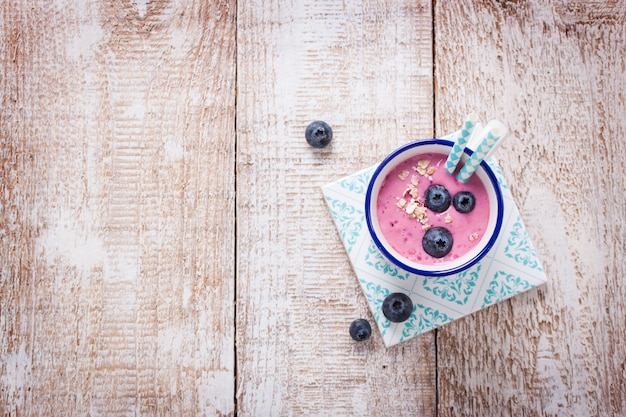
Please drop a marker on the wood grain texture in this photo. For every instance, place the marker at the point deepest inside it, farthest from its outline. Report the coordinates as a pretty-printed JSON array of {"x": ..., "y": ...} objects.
[
  {"x": 366, "y": 69},
  {"x": 136, "y": 218},
  {"x": 554, "y": 72},
  {"x": 117, "y": 207}
]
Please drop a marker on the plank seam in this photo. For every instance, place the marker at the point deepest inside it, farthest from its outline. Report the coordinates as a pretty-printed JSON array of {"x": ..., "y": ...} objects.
[
  {"x": 235, "y": 241},
  {"x": 434, "y": 92}
]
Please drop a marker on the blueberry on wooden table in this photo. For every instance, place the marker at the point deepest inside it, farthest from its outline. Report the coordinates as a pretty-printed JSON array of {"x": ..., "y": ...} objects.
[
  {"x": 360, "y": 330},
  {"x": 397, "y": 307},
  {"x": 318, "y": 134}
]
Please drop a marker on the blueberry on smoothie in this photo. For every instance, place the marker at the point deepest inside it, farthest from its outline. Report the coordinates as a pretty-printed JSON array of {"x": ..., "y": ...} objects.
[
  {"x": 318, "y": 134},
  {"x": 437, "y": 242},
  {"x": 397, "y": 307},
  {"x": 437, "y": 198},
  {"x": 464, "y": 201},
  {"x": 360, "y": 330}
]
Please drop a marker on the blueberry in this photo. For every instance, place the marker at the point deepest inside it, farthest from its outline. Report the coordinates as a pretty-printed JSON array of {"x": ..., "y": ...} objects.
[
  {"x": 318, "y": 134},
  {"x": 437, "y": 242},
  {"x": 464, "y": 201},
  {"x": 360, "y": 330},
  {"x": 437, "y": 198},
  {"x": 397, "y": 307}
]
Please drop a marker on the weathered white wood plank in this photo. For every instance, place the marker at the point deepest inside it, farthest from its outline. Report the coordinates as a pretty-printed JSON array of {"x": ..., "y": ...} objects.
[
  {"x": 555, "y": 74},
  {"x": 366, "y": 69},
  {"x": 117, "y": 207}
]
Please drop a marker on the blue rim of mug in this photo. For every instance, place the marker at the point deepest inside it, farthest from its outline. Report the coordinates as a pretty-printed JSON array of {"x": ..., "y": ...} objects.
[{"x": 447, "y": 271}]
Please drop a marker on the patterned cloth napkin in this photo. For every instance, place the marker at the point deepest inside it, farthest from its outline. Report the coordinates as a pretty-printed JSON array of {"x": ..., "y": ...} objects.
[{"x": 510, "y": 268}]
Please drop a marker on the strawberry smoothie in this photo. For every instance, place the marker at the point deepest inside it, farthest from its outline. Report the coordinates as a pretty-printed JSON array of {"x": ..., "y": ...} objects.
[{"x": 404, "y": 216}]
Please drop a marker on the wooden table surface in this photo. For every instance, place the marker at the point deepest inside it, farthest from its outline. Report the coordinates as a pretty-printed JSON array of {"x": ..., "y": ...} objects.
[{"x": 165, "y": 248}]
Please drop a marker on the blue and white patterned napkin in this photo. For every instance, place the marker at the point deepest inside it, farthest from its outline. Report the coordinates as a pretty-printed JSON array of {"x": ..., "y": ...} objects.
[{"x": 510, "y": 268}]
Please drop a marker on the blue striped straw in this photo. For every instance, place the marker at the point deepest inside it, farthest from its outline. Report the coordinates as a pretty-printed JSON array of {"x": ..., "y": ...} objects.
[
  {"x": 486, "y": 145},
  {"x": 459, "y": 146}
]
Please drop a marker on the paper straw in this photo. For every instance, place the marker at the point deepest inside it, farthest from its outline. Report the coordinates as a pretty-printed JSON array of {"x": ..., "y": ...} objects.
[
  {"x": 490, "y": 141},
  {"x": 461, "y": 142}
]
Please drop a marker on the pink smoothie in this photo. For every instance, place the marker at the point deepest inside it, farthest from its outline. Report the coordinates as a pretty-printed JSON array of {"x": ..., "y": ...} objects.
[{"x": 404, "y": 219}]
